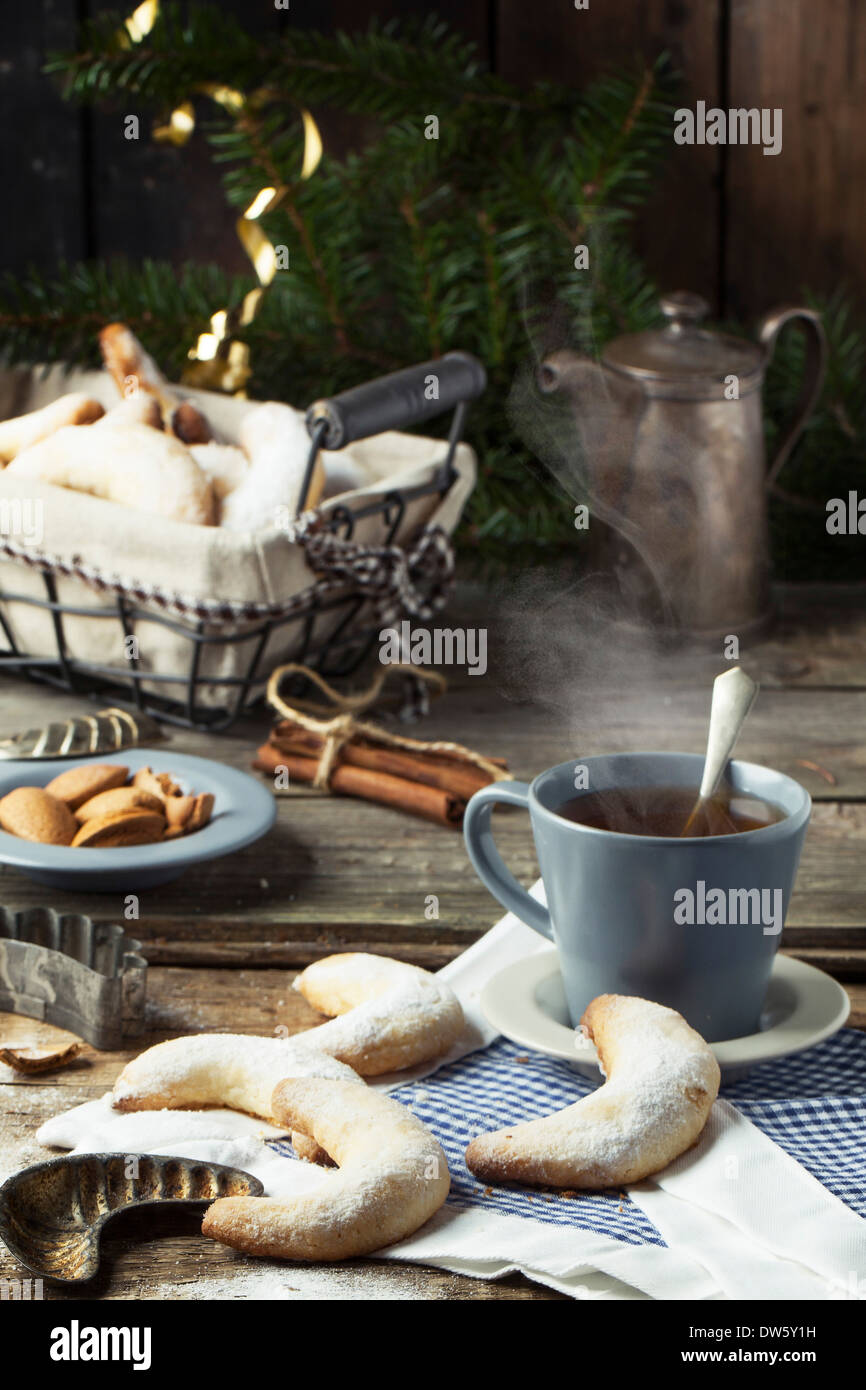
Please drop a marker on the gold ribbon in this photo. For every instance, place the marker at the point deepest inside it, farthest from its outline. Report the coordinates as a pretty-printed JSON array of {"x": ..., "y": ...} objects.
[
  {"x": 343, "y": 727},
  {"x": 219, "y": 360}
]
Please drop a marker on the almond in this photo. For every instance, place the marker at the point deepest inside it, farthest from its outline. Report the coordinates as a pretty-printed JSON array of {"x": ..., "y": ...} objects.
[
  {"x": 121, "y": 829},
  {"x": 119, "y": 799},
  {"x": 146, "y": 781},
  {"x": 36, "y": 1059},
  {"x": 178, "y": 810},
  {"x": 82, "y": 783},
  {"x": 159, "y": 784},
  {"x": 201, "y": 813},
  {"x": 32, "y": 813}
]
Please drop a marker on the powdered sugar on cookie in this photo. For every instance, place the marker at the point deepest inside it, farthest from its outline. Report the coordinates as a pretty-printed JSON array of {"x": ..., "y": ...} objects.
[
  {"x": 389, "y": 1015},
  {"x": 662, "y": 1081},
  {"x": 392, "y": 1177},
  {"x": 230, "y": 1069}
]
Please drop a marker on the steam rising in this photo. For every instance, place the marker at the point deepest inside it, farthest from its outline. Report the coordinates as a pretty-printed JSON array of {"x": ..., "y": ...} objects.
[
  {"x": 584, "y": 431},
  {"x": 673, "y": 485},
  {"x": 599, "y": 626},
  {"x": 568, "y": 642}
]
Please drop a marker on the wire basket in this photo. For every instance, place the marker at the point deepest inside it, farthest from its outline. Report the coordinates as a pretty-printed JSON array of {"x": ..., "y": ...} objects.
[{"x": 331, "y": 626}]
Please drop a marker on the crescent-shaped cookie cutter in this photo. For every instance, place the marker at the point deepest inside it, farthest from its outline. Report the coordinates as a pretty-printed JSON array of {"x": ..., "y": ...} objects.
[
  {"x": 52, "y": 1215},
  {"x": 71, "y": 971}
]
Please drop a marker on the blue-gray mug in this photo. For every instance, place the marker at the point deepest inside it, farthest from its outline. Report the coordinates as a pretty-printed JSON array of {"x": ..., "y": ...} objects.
[{"x": 693, "y": 923}]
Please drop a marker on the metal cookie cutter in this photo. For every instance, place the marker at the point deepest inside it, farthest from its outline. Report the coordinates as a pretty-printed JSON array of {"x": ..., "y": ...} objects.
[
  {"x": 78, "y": 974},
  {"x": 53, "y": 1214}
]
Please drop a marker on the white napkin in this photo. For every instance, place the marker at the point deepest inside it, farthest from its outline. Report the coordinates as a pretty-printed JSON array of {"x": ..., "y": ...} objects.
[
  {"x": 741, "y": 1219},
  {"x": 756, "y": 1220},
  {"x": 468, "y": 1242},
  {"x": 215, "y": 1136}
]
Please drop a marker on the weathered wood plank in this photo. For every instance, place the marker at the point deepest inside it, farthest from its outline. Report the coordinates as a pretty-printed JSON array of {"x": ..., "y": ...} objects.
[
  {"x": 844, "y": 965},
  {"x": 540, "y": 703},
  {"x": 818, "y": 637},
  {"x": 857, "y": 995},
  {"x": 146, "y": 1259},
  {"x": 183, "y": 1001},
  {"x": 157, "y": 201},
  {"x": 796, "y": 218},
  {"x": 44, "y": 187},
  {"x": 339, "y": 876}
]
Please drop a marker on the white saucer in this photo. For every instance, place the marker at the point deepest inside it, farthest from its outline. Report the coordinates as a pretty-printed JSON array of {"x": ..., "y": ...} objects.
[{"x": 526, "y": 1002}]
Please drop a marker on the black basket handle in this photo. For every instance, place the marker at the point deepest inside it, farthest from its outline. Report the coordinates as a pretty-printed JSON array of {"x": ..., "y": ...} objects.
[{"x": 395, "y": 401}]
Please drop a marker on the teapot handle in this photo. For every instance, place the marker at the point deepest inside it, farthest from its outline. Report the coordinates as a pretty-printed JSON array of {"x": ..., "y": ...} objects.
[{"x": 769, "y": 329}]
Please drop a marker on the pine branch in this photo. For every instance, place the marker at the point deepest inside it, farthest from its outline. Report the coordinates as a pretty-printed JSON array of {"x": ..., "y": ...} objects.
[
  {"x": 55, "y": 317},
  {"x": 402, "y": 250},
  {"x": 378, "y": 74}
]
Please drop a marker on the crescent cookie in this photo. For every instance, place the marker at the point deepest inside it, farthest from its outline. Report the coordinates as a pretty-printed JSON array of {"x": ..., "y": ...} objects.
[
  {"x": 225, "y": 464},
  {"x": 18, "y": 434},
  {"x": 391, "y": 1015},
  {"x": 392, "y": 1177},
  {"x": 662, "y": 1079},
  {"x": 129, "y": 463},
  {"x": 137, "y": 409},
  {"x": 235, "y": 1070},
  {"x": 130, "y": 365}
]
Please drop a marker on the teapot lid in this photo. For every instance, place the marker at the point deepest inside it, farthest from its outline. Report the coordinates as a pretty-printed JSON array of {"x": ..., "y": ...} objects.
[{"x": 684, "y": 352}]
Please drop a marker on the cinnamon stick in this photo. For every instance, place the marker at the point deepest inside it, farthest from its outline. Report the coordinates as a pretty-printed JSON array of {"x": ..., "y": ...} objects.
[
  {"x": 285, "y": 730},
  {"x": 432, "y": 770},
  {"x": 417, "y": 798}
]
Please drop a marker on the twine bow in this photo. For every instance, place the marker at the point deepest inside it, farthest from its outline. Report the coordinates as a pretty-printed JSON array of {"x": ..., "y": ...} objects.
[{"x": 342, "y": 727}]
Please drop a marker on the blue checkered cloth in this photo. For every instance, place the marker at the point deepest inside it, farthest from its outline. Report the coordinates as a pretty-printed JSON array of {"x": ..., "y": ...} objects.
[{"x": 812, "y": 1105}]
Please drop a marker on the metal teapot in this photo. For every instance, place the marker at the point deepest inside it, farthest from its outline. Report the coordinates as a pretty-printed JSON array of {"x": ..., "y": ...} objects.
[{"x": 671, "y": 443}]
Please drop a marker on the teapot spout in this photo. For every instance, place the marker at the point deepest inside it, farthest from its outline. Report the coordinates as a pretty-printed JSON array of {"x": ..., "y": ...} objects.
[
  {"x": 567, "y": 372},
  {"x": 605, "y": 407},
  {"x": 554, "y": 372},
  {"x": 600, "y": 414}
]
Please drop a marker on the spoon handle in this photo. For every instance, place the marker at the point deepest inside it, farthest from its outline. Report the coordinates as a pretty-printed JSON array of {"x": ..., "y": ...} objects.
[{"x": 733, "y": 696}]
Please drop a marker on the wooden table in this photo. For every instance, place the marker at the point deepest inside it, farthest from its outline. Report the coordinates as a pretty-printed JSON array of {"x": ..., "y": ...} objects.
[{"x": 224, "y": 941}]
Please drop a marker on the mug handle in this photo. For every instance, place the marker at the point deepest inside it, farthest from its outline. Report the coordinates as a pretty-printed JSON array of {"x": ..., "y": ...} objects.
[{"x": 488, "y": 861}]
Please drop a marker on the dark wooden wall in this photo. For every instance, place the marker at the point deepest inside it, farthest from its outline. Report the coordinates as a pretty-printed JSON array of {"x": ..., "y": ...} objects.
[{"x": 744, "y": 229}]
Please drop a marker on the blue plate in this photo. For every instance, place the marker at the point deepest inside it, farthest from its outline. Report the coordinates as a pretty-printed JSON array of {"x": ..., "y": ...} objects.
[{"x": 244, "y": 810}]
